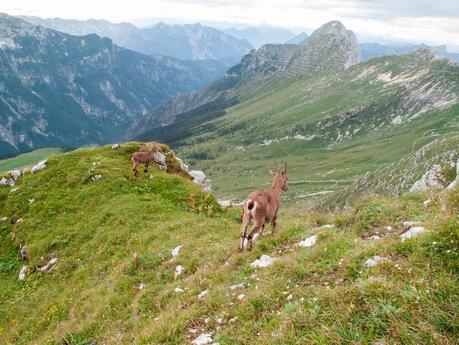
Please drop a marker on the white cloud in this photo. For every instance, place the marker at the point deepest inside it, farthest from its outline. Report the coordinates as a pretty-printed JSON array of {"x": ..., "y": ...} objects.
[{"x": 432, "y": 22}]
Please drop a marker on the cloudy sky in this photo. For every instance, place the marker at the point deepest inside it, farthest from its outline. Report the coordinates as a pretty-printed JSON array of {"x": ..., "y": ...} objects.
[{"x": 428, "y": 21}]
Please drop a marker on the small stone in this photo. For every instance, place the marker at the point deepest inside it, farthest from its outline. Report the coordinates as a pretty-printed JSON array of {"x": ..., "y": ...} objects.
[
  {"x": 309, "y": 242},
  {"x": 175, "y": 252},
  {"x": 203, "y": 339},
  {"x": 178, "y": 290},
  {"x": 412, "y": 232},
  {"x": 289, "y": 297},
  {"x": 22, "y": 273},
  {"x": 141, "y": 286},
  {"x": 241, "y": 296},
  {"x": 31, "y": 201},
  {"x": 24, "y": 253},
  {"x": 46, "y": 268},
  {"x": 41, "y": 165},
  {"x": 263, "y": 261},
  {"x": 374, "y": 238},
  {"x": 96, "y": 177},
  {"x": 327, "y": 226},
  {"x": 115, "y": 146},
  {"x": 427, "y": 203},
  {"x": 178, "y": 271},
  {"x": 203, "y": 294},
  {"x": 374, "y": 261},
  {"x": 4, "y": 219}
]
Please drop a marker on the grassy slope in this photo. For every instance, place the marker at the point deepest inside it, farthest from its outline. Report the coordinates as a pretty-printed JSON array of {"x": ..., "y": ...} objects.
[
  {"x": 27, "y": 158},
  {"x": 96, "y": 227},
  {"x": 270, "y": 110}
]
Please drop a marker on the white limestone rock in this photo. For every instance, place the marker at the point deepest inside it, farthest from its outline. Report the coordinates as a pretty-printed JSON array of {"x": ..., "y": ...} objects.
[
  {"x": 41, "y": 165},
  {"x": 47, "y": 267},
  {"x": 431, "y": 179},
  {"x": 201, "y": 180},
  {"x": 175, "y": 252},
  {"x": 203, "y": 294},
  {"x": 309, "y": 242},
  {"x": 160, "y": 158},
  {"x": 203, "y": 339},
  {"x": 374, "y": 261},
  {"x": 178, "y": 271},
  {"x": 23, "y": 272},
  {"x": 263, "y": 261},
  {"x": 412, "y": 232}
]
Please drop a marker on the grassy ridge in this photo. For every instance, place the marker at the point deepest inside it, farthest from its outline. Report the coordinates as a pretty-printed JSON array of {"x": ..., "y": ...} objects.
[
  {"x": 28, "y": 158},
  {"x": 113, "y": 234}
]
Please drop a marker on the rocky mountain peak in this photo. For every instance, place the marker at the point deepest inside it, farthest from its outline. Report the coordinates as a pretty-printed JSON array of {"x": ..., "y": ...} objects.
[{"x": 330, "y": 47}]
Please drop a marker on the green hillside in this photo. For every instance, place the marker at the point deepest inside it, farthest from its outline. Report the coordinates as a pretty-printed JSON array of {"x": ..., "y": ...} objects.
[
  {"x": 27, "y": 158},
  {"x": 113, "y": 282},
  {"x": 330, "y": 128}
]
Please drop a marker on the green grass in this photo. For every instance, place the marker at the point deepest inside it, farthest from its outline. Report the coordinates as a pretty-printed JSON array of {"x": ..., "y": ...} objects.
[
  {"x": 113, "y": 234},
  {"x": 26, "y": 159}
]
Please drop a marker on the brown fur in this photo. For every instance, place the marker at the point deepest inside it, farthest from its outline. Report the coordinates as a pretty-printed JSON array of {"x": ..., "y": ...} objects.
[
  {"x": 261, "y": 207},
  {"x": 143, "y": 157}
]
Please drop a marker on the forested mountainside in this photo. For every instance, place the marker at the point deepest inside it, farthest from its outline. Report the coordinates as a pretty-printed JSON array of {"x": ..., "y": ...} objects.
[{"x": 64, "y": 90}]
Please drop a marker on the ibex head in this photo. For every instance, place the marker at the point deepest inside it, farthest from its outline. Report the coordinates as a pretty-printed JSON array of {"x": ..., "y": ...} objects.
[{"x": 281, "y": 173}]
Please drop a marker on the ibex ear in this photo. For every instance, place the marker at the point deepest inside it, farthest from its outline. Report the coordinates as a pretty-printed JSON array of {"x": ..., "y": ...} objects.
[{"x": 271, "y": 172}]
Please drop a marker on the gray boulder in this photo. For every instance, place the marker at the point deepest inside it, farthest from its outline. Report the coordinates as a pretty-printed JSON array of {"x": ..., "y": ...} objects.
[
  {"x": 201, "y": 179},
  {"x": 431, "y": 179}
]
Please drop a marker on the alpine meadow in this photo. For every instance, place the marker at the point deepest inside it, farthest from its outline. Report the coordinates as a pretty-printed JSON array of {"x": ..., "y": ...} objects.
[{"x": 213, "y": 172}]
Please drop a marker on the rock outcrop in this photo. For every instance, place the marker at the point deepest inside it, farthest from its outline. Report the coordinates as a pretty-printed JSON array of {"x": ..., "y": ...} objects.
[
  {"x": 201, "y": 179},
  {"x": 431, "y": 179}
]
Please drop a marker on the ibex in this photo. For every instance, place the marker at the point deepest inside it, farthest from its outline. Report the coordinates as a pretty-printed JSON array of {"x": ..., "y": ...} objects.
[
  {"x": 261, "y": 207},
  {"x": 143, "y": 157}
]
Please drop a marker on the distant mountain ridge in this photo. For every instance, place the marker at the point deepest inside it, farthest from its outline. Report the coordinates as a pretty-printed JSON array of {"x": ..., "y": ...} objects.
[
  {"x": 371, "y": 50},
  {"x": 64, "y": 90},
  {"x": 259, "y": 36},
  {"x": 186, "y": 42}
]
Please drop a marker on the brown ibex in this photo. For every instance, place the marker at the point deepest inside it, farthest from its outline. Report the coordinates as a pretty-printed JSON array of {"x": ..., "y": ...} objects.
[
  {"x": 144, "y": 157},
  {"x": 261, "y": 207}
]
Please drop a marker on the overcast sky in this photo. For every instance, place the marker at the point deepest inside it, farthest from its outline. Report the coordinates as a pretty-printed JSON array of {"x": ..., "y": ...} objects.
[{"x": 428, "y": 21}]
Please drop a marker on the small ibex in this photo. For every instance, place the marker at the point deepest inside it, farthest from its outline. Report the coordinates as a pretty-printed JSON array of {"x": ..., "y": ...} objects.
[
  {"x": 262, "y": 206},
  {"x": 144, "y": 157}
]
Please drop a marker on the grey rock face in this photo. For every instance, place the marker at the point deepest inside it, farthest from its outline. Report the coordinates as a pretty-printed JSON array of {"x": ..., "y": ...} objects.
[
  {"x": 431, "y": 179},
  {"x": 201, "y": 179},
  {"x": 330, "y": 47},
  {"x": 63, "y": 90}
]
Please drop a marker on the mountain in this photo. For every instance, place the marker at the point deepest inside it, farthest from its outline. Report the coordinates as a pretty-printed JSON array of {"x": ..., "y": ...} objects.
[
  {"x": 371, "y": 50},
  {"x": 186, "y": 42},
  {"x": 298, "y": 38},
  {"x": 259, "y": 36},
  {"x": 305, "y": 105},
  {"x": 196, "y": 42},
  {"x": 153, "y": 260},
  {"x": 64, "y": 90},
  {"x": 329, "y": 47}
]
